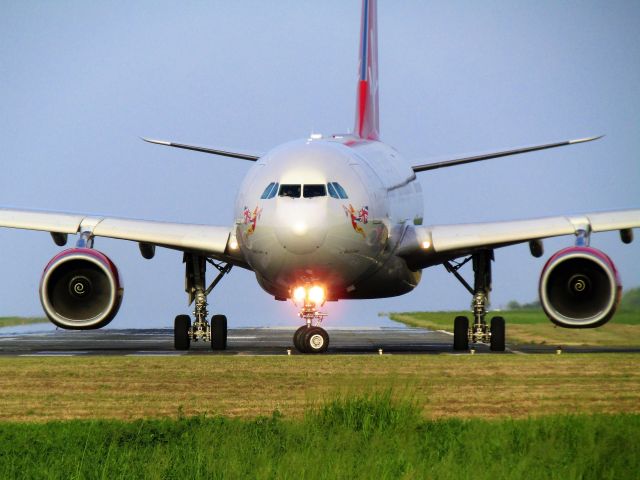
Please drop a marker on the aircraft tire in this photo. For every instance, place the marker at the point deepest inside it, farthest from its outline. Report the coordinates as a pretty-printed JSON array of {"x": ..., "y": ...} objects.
[
  {"x": 181, "y": 326},
  {"x": 218, "y": 332},
  {"x": 297, "y": 339},
  {"x": 461, "y": 334},
  {"x": 497, "y": 334},
  {"x": 315, "y": 340}
]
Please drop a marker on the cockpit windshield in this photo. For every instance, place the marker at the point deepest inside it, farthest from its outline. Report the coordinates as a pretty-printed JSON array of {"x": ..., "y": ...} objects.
[
  {"x": 292, "y": 191},
  {"x": 311, "y": 191}
]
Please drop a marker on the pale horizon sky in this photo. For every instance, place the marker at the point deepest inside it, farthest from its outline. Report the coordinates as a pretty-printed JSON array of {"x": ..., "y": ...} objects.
[{"x": 80, "y": 82}]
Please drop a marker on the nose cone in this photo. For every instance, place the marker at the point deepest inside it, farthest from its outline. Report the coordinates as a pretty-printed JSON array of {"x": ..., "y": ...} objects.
[{"x": 301, "y": 224}]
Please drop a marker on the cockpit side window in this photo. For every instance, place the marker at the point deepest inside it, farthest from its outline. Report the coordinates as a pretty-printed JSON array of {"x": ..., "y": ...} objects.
[
  {"x": 311, "y": 190},
  {"x": 332, "y": 191},
  {"x": 341, "y": 192},
  {"x": 292, "y": 191},
  {"x": 274, "y": 190},
  {"x": 267, "y": 191}
]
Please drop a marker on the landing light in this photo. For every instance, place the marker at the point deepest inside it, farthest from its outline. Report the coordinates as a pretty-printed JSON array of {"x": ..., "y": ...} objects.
[
  {"x": 426, "y": 244},
  {"x": 304, "y": 295},
  {"x": 299, "y": 294},
  {"x": 316, "y": 295}
]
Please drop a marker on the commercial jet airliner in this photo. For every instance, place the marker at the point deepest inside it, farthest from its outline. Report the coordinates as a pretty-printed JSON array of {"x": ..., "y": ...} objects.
[{"x": 328, "y": 218}]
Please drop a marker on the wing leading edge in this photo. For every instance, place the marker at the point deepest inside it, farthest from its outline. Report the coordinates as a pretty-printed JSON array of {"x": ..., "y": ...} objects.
[
  {"x": 212, "y": 240},
  {"x": 430, "y": 245}
]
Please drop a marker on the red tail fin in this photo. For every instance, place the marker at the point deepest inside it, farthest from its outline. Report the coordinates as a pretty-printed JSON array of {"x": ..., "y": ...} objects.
[{"x": 367, "y": 123}]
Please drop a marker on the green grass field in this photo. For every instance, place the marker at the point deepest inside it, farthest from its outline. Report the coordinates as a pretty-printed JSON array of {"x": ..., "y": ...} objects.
[
  {"x": 366, "y": 437},
  {"x": 11, "y": 321},
  {"x": 533, "y": 327}
]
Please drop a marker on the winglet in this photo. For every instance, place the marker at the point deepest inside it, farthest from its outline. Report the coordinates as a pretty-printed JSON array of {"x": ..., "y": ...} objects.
[{"x": 367, "y": 121}]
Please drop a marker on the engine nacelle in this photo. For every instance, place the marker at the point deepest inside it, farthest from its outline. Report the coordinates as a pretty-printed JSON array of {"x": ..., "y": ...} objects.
[
  {"x": 580, "y": 288},
  {"x": 81, "y": 289}
]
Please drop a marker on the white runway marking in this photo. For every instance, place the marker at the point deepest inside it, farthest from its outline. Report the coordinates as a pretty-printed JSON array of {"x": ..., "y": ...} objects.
[
  {"x": 48, "y": 355},
  {"x": 156, "y": 354},
  {"x": 241, "y": 338},
  {"x": 444, "y": 331}
]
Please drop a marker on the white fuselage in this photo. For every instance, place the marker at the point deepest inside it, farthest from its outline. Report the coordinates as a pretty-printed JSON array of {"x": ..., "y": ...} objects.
[{"x": 346, "y": 244}]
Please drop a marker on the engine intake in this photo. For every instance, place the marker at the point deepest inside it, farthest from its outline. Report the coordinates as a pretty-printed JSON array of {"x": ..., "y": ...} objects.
[
  {"x": 81, "y": 289},
  {"x": 580, "y": 288}
]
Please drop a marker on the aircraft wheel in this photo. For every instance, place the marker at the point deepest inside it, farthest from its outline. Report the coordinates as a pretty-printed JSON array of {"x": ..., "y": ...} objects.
[
  {"x": 315, "y": 340},
  {"x": 298, "y": 340},
  {"x": 181, "y": 326},
  {"x": 461, "y": 334},
  {"x": 497, "y": 334},
  {"x": 218, "y": 332}
]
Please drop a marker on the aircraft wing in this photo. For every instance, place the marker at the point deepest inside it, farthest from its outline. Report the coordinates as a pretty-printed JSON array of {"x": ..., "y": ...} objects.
[
  {"x": 504, "y": 153},
  {"x": 211, "y": 240},
  {"x": 424, "y": 246}
]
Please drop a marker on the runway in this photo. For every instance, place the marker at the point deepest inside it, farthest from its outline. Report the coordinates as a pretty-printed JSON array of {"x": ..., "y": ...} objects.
[{"x": 252, "y": 341}]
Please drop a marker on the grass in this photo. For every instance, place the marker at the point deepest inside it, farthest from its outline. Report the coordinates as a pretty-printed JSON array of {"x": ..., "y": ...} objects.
[
  {"x": 533, "y": 327},
  {"x": 12, "y": 321},
  {"x": 39, "y": 389},
  {"x": 363, "y": 437}
]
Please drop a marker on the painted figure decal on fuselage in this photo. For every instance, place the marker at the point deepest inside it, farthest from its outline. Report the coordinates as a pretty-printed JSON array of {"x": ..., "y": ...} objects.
[
  {"x": 251, "y": 218},
  {"x": 362, "y": 216}
]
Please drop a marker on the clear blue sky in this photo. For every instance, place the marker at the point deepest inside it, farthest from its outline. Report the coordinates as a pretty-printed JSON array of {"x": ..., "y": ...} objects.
[{"x": 80, "y": 81}]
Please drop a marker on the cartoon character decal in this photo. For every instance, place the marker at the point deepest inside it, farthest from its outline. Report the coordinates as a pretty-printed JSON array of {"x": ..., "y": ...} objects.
[
  {"x": 361, "y": 216},
  {"x": 251, "y": 218}
]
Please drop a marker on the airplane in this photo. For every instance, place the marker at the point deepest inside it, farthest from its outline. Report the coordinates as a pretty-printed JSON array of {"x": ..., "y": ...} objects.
[{"x": 327, "y": 218}]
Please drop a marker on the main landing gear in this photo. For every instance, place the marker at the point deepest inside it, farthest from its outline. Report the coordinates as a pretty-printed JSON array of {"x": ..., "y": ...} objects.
[
  {"x": 201, "y": 330},
  {"x": 310, "y": 338},
  {"x": 479, "y": 331}
]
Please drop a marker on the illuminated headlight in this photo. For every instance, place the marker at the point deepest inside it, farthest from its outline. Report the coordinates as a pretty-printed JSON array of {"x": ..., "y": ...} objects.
[
  {"x": 299, "y": 294},
  {"x": 316, "y": 295}
]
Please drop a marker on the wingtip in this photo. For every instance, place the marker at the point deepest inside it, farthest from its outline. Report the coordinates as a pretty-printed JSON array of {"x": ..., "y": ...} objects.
[
  {"x": 158, "y": 142},
  {"x": 587, "y": 139}
]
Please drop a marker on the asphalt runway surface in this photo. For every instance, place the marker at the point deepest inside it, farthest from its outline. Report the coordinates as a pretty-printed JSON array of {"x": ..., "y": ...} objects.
[{"x": 252, "y": 341}]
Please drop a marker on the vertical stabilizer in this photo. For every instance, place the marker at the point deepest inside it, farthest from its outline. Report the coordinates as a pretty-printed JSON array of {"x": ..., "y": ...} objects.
[{"x": 367, "y": 124}]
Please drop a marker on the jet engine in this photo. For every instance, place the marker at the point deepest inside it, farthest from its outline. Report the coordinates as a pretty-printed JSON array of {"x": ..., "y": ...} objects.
[
  {"x": 81, "y": 289},
  {"x": 579, "y": 288}
]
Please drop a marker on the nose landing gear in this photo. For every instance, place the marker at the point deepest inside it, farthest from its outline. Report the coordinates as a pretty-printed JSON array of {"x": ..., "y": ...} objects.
[{"x": 310, "y": 338}]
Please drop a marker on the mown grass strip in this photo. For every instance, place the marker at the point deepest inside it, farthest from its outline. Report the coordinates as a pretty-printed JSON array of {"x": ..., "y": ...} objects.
[
  {"x": 12, "y": 321},
  {"x": 363, "y": 437},
  {"x": 486, "y": 386},
  {"x": 533, "y": 327}
]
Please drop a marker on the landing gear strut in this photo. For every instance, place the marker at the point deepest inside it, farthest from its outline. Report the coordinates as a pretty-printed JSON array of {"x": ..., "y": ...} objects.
[
  {"x": 310, "y": 338},
  {"x": 479, "y": 331},
  {"x": 195, "y": 286}
]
